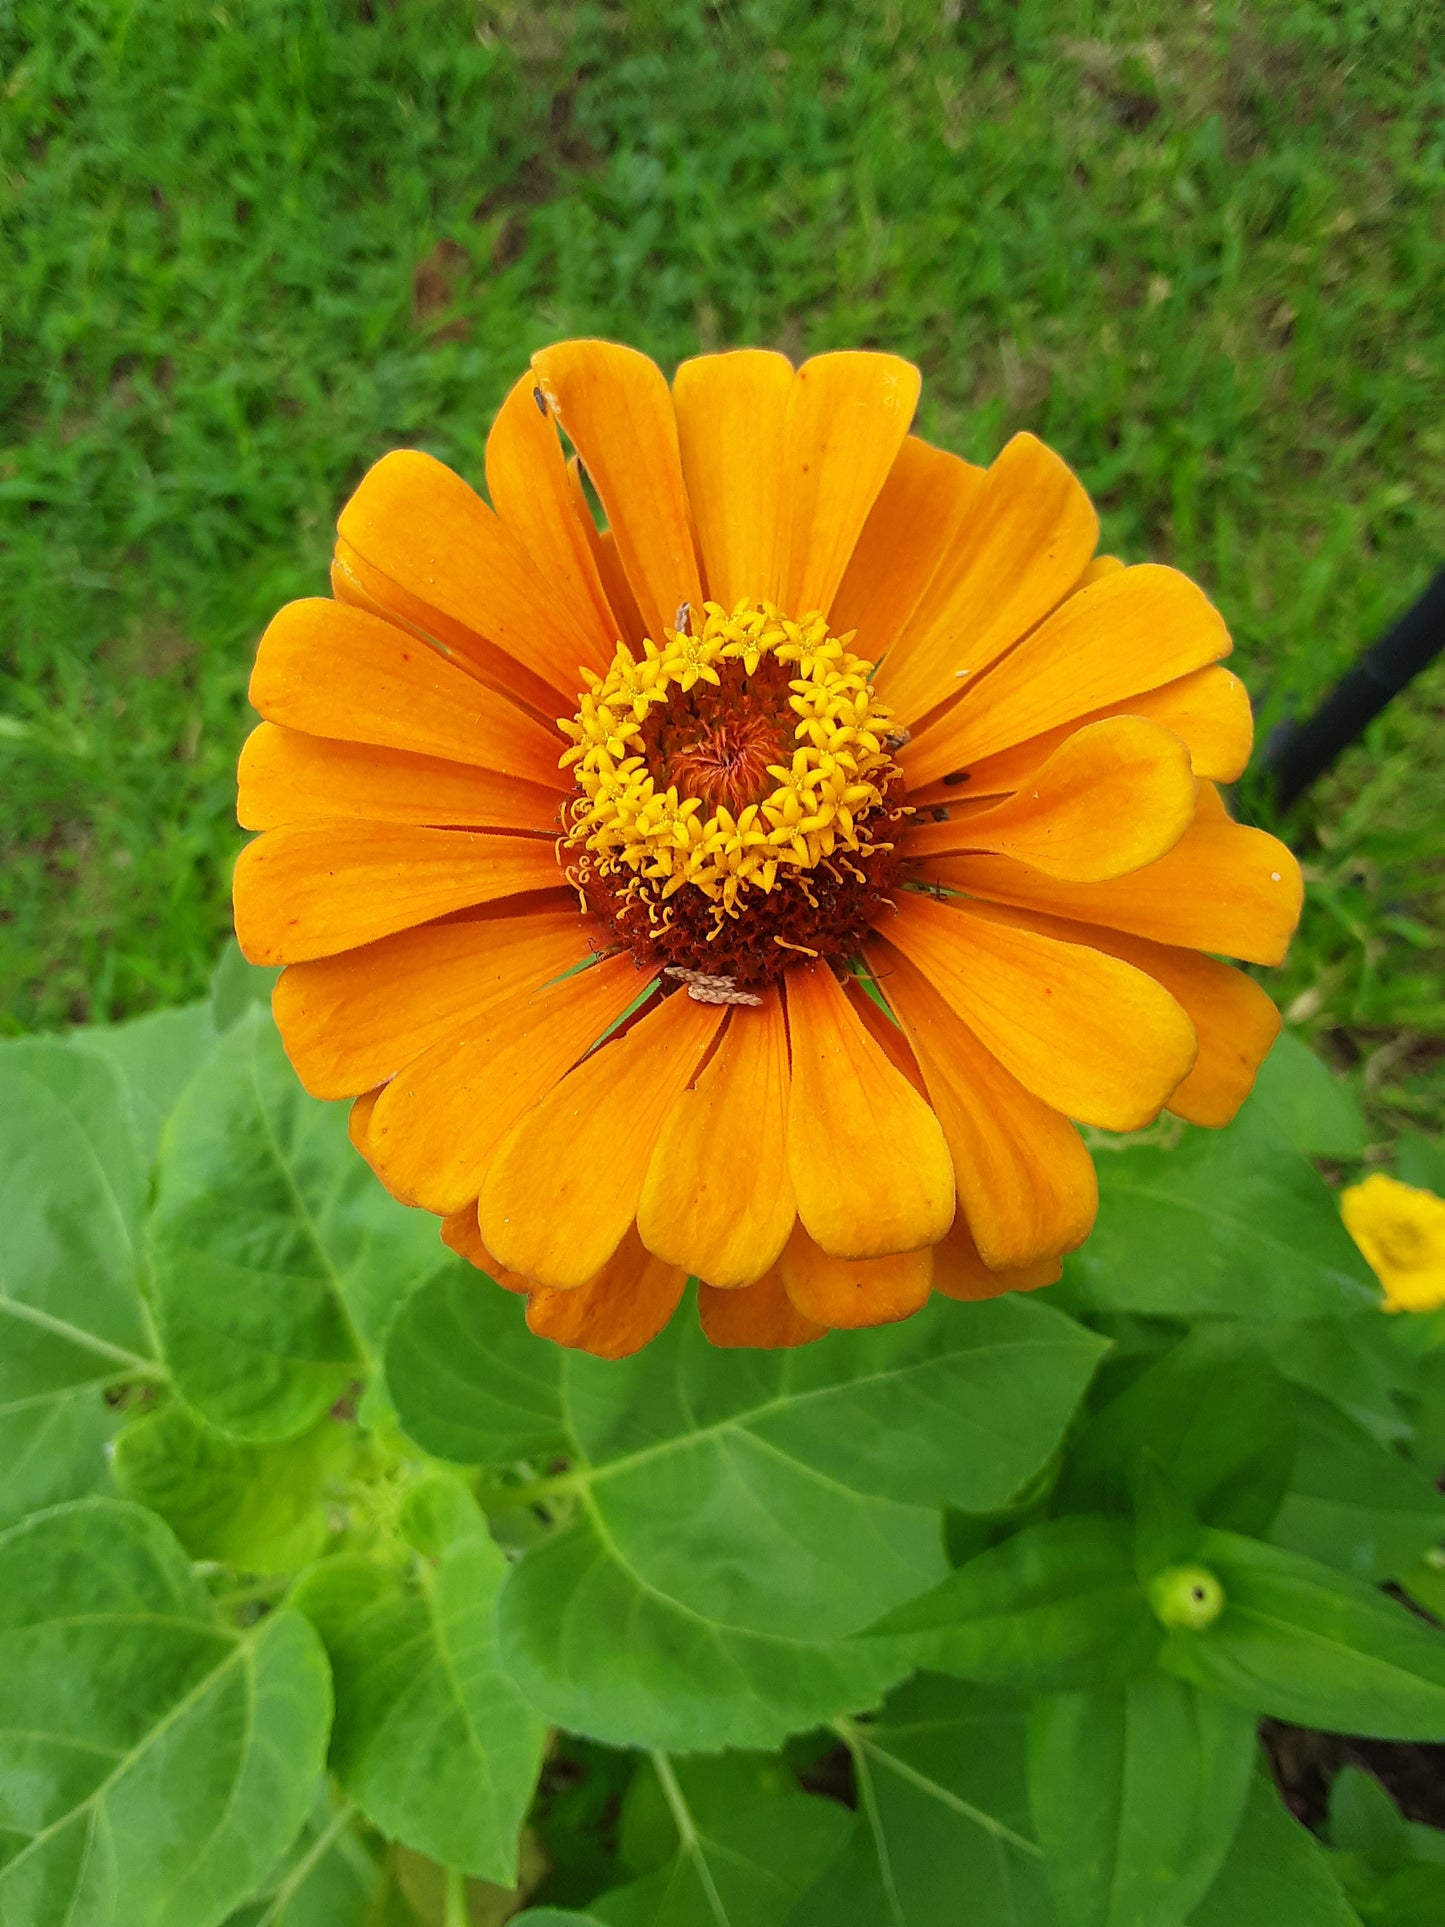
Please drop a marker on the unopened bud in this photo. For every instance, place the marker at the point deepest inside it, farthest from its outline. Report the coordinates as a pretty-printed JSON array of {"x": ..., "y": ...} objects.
[{"x": 1186, "y": 1596}]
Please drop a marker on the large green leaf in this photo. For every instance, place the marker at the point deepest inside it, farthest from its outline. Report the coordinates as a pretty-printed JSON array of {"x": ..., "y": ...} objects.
[
  {"x": 258, "y": 1508},
  {"x": 1136, "y": 1792},
  {"x": 1354, "y": 1503},
  {"x": 1352, "y": 1361},
  {"x": 1304, "y": 1643},
  {"x": 72, "y": 1192},
  {"x": 942, "y": 1833},
  {"x": 1056, "y": 1607},
  {"x": 154, "y": 1762},
  {"x": 157, "y": 1055},
  {"x": 1297, "y": 1100},
  {"x": 740, "y": 1514},
  {"x": 1222, "y": 1224},
  {"x": 330, "y": 1878},
  {"x": 52, "y": 1448},
  {"x": 279, "y": 1259},
  {"x": 432, "y": 1741},
  {"x": 1218, "y": 1419},
  {"x": 1276, "y": 1875},
  {"x": 470, "y": 1382},
  {"x": 731, "y": 1868}
]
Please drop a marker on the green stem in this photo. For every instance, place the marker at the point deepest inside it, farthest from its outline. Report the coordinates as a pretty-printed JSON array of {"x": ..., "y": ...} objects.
[
  {"x": 687, "y": 1833},
  {"x": 456, "y": 1907}
]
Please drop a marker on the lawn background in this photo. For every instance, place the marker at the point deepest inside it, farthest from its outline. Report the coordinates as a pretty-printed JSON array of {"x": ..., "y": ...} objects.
[{"x": 245, "y": 248}]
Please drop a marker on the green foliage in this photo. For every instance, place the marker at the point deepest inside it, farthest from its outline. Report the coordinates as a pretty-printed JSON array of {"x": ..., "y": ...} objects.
[{"x": 988, "y": 1602}]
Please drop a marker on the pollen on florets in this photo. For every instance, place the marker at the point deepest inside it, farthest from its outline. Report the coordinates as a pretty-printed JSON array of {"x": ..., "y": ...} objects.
[{"x": 737, "y": 799}]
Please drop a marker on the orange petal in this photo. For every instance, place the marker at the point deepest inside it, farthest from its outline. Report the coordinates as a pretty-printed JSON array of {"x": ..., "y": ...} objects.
[
  {"x": 959, "y": 1272},
  {"x": 1223, "y": 887},
  {"x": 1026, "y": 1182},
  {"x": 760, "y": 1317},
  {"x": 324, "y": 887},
  {"x": 357, "y": 584},
  {"x": 614, "y": 1314},
  {"x": 564, "y": 1185},
  {"x": 869, "y": 1165},
  {"x": 912, "y": 527},
  {"x": 1133, "y": 630},
  {"x": 1096, "y": 570},
  {"x": 617, "y": 410},
  {"x": 439, "y": 1121},
  {"x": 1113, "y": 796},
  {"x": 358, "y": 1122},
  {"x": 847, "y": 416},
  {"x": 1028, "y": 534},
  {"x": 285, "y": 777},
  {"x": 331, "y": 670},
  {"x": 730, "y": 413},
  {"x": 1233, "y": 1017},
  {"x": 845, "y": 1294},
  {"x": 717, "y": 1198},
  {"x": 1093, "y": 1037},
  {"x": 461, "y": 1234},
  {"x": 420, "y": 527},
  {"x": 353, "y": 1021},
  {"x": 623, "y": 602},
  {"x": 530, "y": 489},
  {"x": 1208, "y": 710}
]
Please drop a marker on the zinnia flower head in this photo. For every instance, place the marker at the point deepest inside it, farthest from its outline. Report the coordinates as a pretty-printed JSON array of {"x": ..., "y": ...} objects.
[
  {"x": 762, "y": 887},
  {"x": 1401, "y": 1231}
]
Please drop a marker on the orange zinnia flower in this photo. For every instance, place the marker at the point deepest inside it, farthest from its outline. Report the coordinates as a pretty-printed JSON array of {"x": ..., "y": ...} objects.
[{"x": 878, "y": 840}]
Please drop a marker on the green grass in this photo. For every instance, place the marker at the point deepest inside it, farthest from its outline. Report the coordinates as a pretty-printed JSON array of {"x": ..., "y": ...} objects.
[{"x": 250, "y": 246}]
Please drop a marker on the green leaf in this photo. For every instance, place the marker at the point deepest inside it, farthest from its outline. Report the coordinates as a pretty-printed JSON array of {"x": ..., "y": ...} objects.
[
  {"x": 734, "y": 1868},
  {"x": 1354, "y": 1503},
  {"x": 1222, "y": 1224},
  {"x": 1353, "y": 1362},
  {"x": 1420, "y": 1160},
  {"x": 1297, "y": 1099},
  {"x": 328, "y": 1879},
  {"x": 154, "y": 1762},
  {"x": 1136, "y": 1792},
  {"x": 1056, "y": 1607},
  {"x": 432, "y": 1741},
  {"x": 236, "y": 985},
  {"x": 470, "y": 1382},
  {"x": 554, "y": 1917},
  {"x": 52, "y": 1448},
  {"x": 1218, "y": 1418},
  {"x": 740, "y": 1514},
  {"x": 942, "y": 1833},
  {"x": 157, "y": 1055},
  {"x": 257, "y": 1508},
  {"x": 72, "y": 1191},
  {"x": 1276, "y": 1875},
  {"x": 1301, "y": 1642},
  {"x": 278, "y": 1257},
  {"x": 1364, "y": 1820}
]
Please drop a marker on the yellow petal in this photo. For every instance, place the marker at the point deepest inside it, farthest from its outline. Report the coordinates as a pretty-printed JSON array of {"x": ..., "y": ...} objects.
[
  {"x": 1133, "y": 630},
  {"x": 847, "y": 416},
  {"x": 717, "y": 1198},
  {"x": 617, "y": 409},
  {"x": 759, "y": 1317},
  {"x": 564, "y": 1185},
  {"x": 911, "y": 530},
  {"x": 1025, "y": 1180},
  {"x": 1026, "y": 539},
  {"x": 730, "y": 413},
  {"x": 439, "y": 1121},
  {"x": 846, "y": 1294},
  {"x": 615, "y": 1313},
  {"x": 870, "y": 1169},
  {"x": 1113, "y": 796},
  {"x": 1091, "y": 1036}
]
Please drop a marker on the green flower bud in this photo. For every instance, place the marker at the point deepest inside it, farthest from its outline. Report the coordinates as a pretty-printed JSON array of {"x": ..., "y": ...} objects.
[{"x": 1186, "y": 1596}]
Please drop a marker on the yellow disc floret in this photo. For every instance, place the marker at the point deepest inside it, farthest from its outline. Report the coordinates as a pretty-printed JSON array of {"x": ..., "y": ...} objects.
[{"x": 726, "y": 759}]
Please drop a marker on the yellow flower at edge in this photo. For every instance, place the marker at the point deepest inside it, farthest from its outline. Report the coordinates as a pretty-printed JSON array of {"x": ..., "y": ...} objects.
[
  {"x": 762, "y": 887},
  {"x": 1401, "y": 1231}
]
